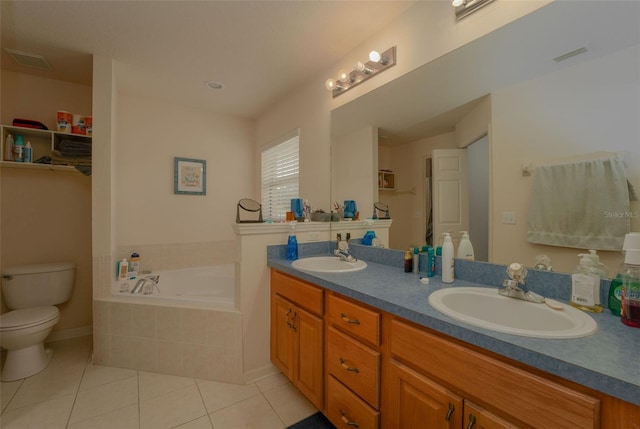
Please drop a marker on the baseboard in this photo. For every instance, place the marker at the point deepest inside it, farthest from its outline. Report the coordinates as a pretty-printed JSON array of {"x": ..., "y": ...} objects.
[
  {"x": 259, "y": 373},
  {"x": 67, "y": 334}
]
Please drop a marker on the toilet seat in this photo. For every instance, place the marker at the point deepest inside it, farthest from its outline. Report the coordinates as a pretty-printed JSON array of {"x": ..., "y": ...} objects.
[{"x": 28, "y": 317}]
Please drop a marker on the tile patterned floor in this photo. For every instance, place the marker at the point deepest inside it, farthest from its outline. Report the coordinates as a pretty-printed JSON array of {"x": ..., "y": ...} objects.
[{"x": 75, "y": 394}]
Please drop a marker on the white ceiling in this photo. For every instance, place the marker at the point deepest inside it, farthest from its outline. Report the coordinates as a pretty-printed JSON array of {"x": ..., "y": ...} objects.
[{"x": 260, "y": 50}]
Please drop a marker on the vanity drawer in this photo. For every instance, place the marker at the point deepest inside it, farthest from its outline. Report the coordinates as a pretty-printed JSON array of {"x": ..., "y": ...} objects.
[
  {"x": 297, "y": 291},
  {"x": 355, "y": 319},
  {"x": 346, "y": 410},
  {"x": 355, "y": 365}
]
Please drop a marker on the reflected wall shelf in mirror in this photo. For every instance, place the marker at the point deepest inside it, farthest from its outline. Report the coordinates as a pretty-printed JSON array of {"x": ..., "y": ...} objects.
[
  {"x": 386, "y": 180},
  {"x": 42, "y": 143}
]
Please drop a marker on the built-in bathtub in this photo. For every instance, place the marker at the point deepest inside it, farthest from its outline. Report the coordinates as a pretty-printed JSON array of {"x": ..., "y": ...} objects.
[
  {"x": 192, "y": 328},
  {"x": 211, "y": 286}
]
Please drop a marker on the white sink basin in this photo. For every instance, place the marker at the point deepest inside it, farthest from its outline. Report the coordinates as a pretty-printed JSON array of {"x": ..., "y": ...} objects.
[
  {"x": 485, "y": 308},
  {"x": 328, "y": 264}
]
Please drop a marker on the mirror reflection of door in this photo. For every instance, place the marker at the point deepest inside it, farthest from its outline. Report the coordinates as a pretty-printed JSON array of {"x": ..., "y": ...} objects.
[{"x": 461, "y": 195}]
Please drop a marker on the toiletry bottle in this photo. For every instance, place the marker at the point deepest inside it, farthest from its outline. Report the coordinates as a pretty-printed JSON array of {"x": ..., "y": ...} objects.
[
  {"x": 134, "y": 264},
  {"x": 8, "y": 148},
  {"x": 416, "y": 260},
  {"x": 123, "y": 269},
  {"x": 292, "y": 244},
  {"x": 614, "y": 300},
  {"x": 630, "y": 302},
  {"x": 447, "y": 259},
  {"x": 431, "y": 262},
  {"x": 28, "y": 153},
  {"x": 585, "y": 286},
  {"x": 408, "y": 261},
  {"x": 465, "y": 249},
  {"x": 598, "y": 267},
  {"x": 18, "y": 149}
]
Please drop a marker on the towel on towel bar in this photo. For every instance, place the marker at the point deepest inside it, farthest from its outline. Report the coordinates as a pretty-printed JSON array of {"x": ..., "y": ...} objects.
[{"x": 582, "y": 204}]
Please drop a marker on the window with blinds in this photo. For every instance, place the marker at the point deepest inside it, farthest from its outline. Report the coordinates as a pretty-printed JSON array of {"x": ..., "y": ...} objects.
[{"x": 279, "y": 178}]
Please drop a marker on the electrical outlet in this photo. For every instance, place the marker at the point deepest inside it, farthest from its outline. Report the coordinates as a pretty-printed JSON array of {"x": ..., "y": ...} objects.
[
  {"x": 509, "y": 217},
  {"x": 313, "y": 236}
]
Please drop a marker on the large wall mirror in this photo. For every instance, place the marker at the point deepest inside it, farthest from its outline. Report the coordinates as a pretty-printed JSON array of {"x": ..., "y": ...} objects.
[{"x": 559, "y": 84}]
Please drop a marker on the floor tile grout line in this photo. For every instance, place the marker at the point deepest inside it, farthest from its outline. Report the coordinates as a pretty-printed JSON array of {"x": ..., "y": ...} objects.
[
  {"x": 12, "y": 396},
  {"x": 206, "y": 412},
  {"x": 75, "y": 398},
  {"x": 284, "y": 425}
]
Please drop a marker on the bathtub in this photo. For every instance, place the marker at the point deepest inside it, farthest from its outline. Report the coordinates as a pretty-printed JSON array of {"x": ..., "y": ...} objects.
[{"x": 211, "y": 286}]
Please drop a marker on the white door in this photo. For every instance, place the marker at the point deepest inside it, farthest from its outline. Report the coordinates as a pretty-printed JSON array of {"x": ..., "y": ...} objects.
[{"x": 450, "y": 193}]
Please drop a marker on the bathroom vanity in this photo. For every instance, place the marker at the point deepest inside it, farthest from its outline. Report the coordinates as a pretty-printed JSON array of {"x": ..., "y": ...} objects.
[{"x": 364, "y": 358}]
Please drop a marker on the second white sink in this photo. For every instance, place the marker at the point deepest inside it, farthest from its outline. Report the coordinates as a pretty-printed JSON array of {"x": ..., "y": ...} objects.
[
  {"x": 328, "y": 264},
  {"x": 485, "y": 308}
]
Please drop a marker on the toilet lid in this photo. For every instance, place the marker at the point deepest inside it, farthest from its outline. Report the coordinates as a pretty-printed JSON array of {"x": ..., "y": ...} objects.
[{"x": 27, "y": 317}]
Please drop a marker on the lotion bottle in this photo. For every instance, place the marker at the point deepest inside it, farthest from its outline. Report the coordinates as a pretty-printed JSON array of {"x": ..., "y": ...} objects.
[
  {"x": 465, "y": 249},
  {"x": 585, "y": 286},
  {"x": 123, "y": 269},
  {"x": 447, "y": 259},
  {"x": 8, "y": 148}
]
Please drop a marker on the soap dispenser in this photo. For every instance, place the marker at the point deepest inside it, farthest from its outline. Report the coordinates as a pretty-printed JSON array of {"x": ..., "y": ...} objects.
[
  {"x": 447, "y": 259},
  {"x": 465, "y": 249},
  {"x": 292, "y": 243},
  {"x": 585, "y": 286}
]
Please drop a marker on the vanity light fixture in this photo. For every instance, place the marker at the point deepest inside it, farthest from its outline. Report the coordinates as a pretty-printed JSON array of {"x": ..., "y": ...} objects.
[
  {"x": 377, "y": 63},
  {"x": 467, "y": 7}
]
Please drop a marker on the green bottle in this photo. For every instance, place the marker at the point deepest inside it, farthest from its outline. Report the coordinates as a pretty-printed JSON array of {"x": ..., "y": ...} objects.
[{"x": 615, "y": 295}]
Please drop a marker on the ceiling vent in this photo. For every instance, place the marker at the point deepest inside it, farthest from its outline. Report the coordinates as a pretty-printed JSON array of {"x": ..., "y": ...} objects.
[{"x": 29, "y": 60}]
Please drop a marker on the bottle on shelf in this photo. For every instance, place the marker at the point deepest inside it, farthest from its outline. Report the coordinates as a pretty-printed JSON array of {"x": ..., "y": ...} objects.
[
  {"x": 8, "y": 148},
  {"x": 18, "y": 149},
  {"x": 630, "y": 276},
  {"x": 28, "y": 153}
]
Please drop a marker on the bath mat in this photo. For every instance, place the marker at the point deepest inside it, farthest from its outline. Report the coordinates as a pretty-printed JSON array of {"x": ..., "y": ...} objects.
[{"x": 315, "y": 421}]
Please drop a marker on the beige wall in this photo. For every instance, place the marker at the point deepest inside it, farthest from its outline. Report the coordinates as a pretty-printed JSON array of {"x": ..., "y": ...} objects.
[
  {"x": 589, "y": 107},
  {"x": 150, "y": 134},
  {"x": 46, "y": 215}
]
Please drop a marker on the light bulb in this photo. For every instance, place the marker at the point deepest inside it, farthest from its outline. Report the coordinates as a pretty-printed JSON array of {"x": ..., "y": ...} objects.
[
  {"x": 375, "y": 56},
  {"x": 362, "y": 68},
  {"x": 343, "y": 75},
  {"x": 456, "y": 3},
  {"x": 330, "y": 84}
]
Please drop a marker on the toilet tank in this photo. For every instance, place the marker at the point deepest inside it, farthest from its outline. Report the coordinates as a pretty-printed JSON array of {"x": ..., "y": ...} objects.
[{"x": 36, "y": 285}]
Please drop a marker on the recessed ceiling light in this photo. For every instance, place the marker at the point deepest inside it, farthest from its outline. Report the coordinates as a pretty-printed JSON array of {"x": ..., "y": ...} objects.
[{"x": 214, "y": 85}]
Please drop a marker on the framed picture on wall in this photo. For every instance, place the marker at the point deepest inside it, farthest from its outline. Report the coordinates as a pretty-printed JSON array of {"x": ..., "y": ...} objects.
[{"x": 190, "y": 176}]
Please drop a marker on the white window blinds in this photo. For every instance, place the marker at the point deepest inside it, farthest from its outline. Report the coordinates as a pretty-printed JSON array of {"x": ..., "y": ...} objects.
[{"x": 279, "y": 178}]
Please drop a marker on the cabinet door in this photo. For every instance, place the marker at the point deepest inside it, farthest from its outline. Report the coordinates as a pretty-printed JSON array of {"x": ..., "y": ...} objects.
[
  {"x": 417, "y": 402},
  {"x": 282, "y": 339},
  {"x": 476, "y": 417},
  {"x": 308, "y": 371}
]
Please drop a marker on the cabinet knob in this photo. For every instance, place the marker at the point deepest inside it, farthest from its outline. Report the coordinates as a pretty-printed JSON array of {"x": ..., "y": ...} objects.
[
  {"x": 346, "y": 319},
  {"x": 345, "y": 419}
]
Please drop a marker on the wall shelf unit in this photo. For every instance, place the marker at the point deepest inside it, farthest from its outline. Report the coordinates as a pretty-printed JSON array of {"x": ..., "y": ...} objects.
[
  {"x": 43, "y": 142},
  {"x": 386, "y": 180}
]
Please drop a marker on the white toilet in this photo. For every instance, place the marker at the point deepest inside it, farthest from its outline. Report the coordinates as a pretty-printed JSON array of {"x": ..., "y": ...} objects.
[{"x": 31, "y": 291}]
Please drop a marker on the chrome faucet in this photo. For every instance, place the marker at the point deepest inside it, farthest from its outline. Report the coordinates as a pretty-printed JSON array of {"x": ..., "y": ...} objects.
[
  {"x": 342, "y": 249},
  {"x": 512, "y": 288},
  {"x": 146, "y": 285}
]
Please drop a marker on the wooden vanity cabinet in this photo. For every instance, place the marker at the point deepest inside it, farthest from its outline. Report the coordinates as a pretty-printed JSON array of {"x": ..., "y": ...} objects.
[
  {"x": 297, "y": 336},
  {"x": 362, "y": 366},
  {"x": 505, "y": 396}
]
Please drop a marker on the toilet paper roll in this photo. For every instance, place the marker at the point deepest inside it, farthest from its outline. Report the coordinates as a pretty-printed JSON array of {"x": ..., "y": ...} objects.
[{"x": 78, "y": 125}]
